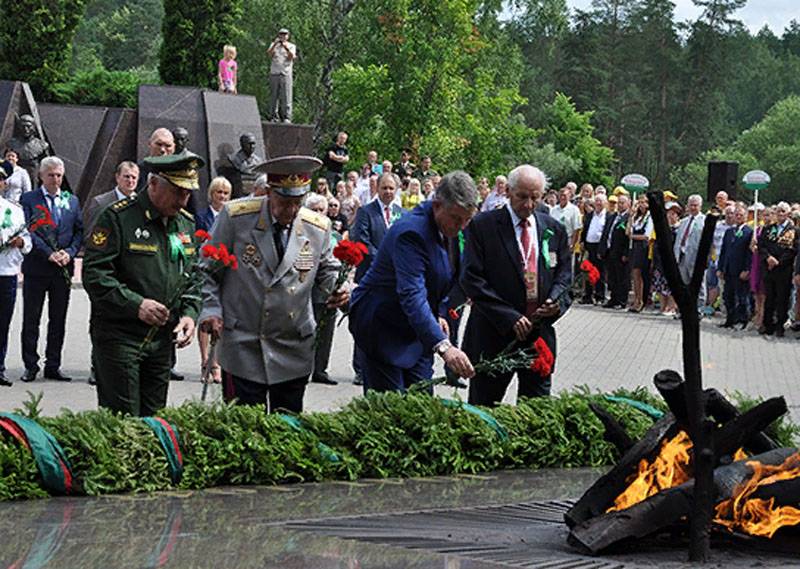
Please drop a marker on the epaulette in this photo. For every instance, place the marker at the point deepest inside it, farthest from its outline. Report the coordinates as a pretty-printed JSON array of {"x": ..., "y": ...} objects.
[
  {"x": 314, "y": 218},
  {"x": 123, "y": 204},
  {"x": 244, "y": 206},
  {"x": 187, "y": 214}
]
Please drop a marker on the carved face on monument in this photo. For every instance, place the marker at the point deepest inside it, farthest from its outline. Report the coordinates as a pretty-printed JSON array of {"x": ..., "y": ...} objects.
[
  {"x": 27, "y": 127},
  {"x": 181, "y": 136},
  {"x": 248, "y": 144}
]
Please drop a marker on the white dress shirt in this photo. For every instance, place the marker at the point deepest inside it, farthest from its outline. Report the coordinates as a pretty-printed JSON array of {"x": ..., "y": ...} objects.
[
  {"x": 595, "y": 231},
  {"x": 11, "y": 258}
]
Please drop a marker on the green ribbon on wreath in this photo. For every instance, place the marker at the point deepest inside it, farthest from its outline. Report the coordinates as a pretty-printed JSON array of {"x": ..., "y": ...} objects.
[
  {"x": 7, "y": 221},
  {"x": 546, "y": 235},
  {"x": 168, "y": 438},
  {"x": 480, "y": 413},
  {"x": 296, "y": 425}
]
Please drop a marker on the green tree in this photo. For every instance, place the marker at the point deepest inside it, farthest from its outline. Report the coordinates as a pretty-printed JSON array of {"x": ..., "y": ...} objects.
[
  {"x": 193, "y": 36},
  {"x": 35, "y": 40}
]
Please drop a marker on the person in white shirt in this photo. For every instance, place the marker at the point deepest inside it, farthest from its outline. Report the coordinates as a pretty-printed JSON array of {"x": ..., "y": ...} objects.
[
  {"x": 15, "y": 242},
  {"x": 283, "y": 53},
  {"x": 592, "y": 242},
  {"x": 497, "y": 198},
  {"x": 19, "y": 182},
  {"x": 568, "y": 215}
]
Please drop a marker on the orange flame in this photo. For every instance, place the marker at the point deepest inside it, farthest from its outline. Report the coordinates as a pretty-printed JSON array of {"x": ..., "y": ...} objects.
[
  {"x": 669, "y": 469},
  {"x": 756, "y": 516}
]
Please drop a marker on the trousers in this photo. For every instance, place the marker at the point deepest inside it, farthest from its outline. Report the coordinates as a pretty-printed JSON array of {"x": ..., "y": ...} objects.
[
  {"x": 8, "y": 297},
  {"x": 34, "y": 290},
  {"x": 287, "y": 395},
  {"x": 280, "y": 97}
]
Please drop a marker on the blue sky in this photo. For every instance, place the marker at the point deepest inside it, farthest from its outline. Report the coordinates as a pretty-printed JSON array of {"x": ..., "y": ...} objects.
[{"x": 774, "y": 13}]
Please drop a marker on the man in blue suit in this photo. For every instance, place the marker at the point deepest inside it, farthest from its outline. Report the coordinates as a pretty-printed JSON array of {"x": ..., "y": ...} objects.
[
  {"x": 374, "y": 219},
  {"x": 517, "y": 273},
  {"x": 54, "y": 250},
  {"x": 733, "y": 266},
  {"x": 397, "y": 311}
]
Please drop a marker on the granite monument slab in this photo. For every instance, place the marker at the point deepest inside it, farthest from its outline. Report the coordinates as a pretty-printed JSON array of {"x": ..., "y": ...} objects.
[{"x": 284, "y": 139}]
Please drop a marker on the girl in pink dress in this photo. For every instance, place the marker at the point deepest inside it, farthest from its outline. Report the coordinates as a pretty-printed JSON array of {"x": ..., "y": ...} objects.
[{"x": 228, "y": 68}]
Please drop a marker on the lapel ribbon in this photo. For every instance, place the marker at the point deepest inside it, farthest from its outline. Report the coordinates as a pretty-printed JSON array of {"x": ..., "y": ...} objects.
[{"x": 546, "y": 235}]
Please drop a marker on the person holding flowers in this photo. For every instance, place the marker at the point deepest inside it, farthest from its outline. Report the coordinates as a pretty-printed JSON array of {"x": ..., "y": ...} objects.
[
  {"x": 517, "y": 274},
  {"x": 15, "y": 242},
  {"x": 262, "y": 312},
  {"x": 139, "y": 273},
  {"x": 48, "y": 267}
]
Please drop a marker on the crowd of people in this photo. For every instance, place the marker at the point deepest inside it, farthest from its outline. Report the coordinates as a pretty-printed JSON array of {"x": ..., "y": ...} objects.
[{"x": 518, "y": 265}]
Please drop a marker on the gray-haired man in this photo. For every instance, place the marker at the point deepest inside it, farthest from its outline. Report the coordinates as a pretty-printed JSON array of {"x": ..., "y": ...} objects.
[{"x": 283, "y": 53}]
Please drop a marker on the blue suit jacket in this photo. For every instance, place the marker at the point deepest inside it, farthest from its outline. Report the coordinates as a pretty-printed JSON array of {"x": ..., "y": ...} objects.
[
  {"x": 68, "y": 235},
  {"x": 204, "y": 219},
  {"x": 735, "y": 255},
  {"x": 370, "y": 228},
  {"x": 395, "y": 308},
  {"x": 493, "y": 279}
]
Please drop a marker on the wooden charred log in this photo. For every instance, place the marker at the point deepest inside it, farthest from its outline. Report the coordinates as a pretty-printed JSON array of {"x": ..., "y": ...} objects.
[
  {"x": 614, "y": 432},
  {"x": 724, "y": 411},
  {"x": 785, "y": 492},
  {"x": 672, "y": 388},
  {"x": 737, "y": 432},
  {"x": 597, "y": 499},
  {"x": 663, "y": 509}
]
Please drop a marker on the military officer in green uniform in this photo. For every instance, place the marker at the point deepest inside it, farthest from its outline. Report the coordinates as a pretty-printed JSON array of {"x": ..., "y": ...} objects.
[
  {"x": 137, "y": 258},
  {"x": 262, "y": 312}
]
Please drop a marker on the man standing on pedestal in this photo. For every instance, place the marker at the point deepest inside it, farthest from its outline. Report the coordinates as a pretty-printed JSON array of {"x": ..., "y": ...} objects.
[
  {"x": 517, "y": 274},
  {"x": 283, "y": 53}
]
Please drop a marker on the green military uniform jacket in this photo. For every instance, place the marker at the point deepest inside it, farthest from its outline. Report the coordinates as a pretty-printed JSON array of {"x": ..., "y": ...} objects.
[{"x": 127, "y": 259}]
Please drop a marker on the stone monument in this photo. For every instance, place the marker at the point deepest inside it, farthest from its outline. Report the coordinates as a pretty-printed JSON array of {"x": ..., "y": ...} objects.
[
  {"x": 240, "y": 168},
  {"x": 29, "y": 147}
]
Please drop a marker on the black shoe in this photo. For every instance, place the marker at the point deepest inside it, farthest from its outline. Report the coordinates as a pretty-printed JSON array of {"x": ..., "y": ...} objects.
[
  {"x": 725, "y": 324},
  {"x": 4, "y": 382},
  {"x": 175, "y": 376},
  {"x": 324, "y": 379},
  {"x": 780, "y": 333},
  {"x": 358, "y": 381},
  {"x": 610, "y": 304},
  {"x": 29, "y": 375},
  {"x": 585, "y": 301},
  {"x": 795, "y": 327},
  {"x": 56, "y": 375},
  {"x": 742, "y": 325},
  {"x": 92, "y": 380}
]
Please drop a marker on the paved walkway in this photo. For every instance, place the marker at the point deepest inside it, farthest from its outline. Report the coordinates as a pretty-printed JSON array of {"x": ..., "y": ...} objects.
[{"x": 601, "y": 348}]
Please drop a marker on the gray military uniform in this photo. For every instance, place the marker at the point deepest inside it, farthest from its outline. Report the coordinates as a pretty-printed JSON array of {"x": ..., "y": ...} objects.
[{"x": 265, "y": 306}]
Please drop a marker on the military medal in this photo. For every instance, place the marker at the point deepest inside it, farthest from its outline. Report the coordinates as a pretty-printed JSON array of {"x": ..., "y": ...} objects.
[
  {"x": 304, "y": 261},
  {"x": 531, "y": 294},
  {"x": 251, "y": 256}
]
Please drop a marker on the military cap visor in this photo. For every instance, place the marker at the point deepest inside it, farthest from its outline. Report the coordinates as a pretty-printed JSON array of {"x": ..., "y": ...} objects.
[
  {"x": 289, "y": 176},
  {"x": 6, "y": 169},
  {"x": 181, "y": 170}
]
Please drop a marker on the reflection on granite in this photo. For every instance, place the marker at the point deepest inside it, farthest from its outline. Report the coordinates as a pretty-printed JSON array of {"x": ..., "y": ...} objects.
[{"x": 242, "y": 527}]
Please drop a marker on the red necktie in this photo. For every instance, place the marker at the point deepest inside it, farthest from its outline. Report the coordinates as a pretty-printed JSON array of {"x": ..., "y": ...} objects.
[
  {"x": 386, "y": 215},
  {"x": 525, "y": 239},
  {"x": 528, "y": 267}
]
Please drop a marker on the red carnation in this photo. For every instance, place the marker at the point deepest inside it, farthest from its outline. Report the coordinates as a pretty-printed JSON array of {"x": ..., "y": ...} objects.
[
  {"x": 543, "y": 363},
  {"x": 224, "y": 255},
  {"x": 234, "y": 262},
  {"x": 593, "y": 273},
  {"x": 202, "y": 235},
  {"x": 453, "y": 314},
  {"x": 209, "y": 251},
  {"x": 45, "y": 220},
  {"x": 350, "y": 252}
]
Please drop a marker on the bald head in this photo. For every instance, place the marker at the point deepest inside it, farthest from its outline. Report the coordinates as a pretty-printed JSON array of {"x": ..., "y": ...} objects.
[
  {"x": 161, "y": 142},
  {"x": 526, "y": 185}
]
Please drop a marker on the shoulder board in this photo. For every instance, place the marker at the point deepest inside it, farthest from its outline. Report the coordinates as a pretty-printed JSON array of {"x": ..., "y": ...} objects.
[
  {"x": 245, "y": 206},
  {"x": 187, "y": 215},
  {"x": 314, "y": 218},
  {"x": 123, "y": 204}
]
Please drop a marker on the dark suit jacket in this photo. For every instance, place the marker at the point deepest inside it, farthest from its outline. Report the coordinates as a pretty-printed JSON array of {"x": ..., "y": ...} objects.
[
  {"x": 493, "y": 279},
  {"x": 620, "y": 242},
  {"x": 68, "y": 235},
  {"x": 395, "y": 308},
  {"x": 735, "y": 255},
  {"x": 204, "y": 219},
  {"x": 782, "y": 246},
  {"x": 370, "y": 228},
  {"x": 95, "y": 207}
]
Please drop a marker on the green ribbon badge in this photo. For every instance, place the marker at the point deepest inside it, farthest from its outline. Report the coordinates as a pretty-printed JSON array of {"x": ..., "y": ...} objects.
[
  {"x": 546, "y": 235},
  {"x": 738, "y": 233},
  {"x": 176, "y": 250},
  {"x": 461, "y": 242},
  {"x": 62, "y": 200},
  {"x": 7, "y": 222}
]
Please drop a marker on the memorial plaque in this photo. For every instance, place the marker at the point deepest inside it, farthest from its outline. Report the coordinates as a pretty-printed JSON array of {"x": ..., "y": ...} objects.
[
  {"x": 170, "y": 107},
  {"x": 286, "y": 139},
  {"x": 72, "y": 131}
]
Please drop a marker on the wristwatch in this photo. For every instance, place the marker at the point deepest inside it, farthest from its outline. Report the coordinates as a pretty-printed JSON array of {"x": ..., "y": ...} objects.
[{"x": 442, "y": 347}]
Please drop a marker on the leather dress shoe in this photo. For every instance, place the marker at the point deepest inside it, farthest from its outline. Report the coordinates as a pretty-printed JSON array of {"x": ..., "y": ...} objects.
[
  {"x": 175, "y": 376},
  {"x": 357, "y": 380},
  {"x": 324, "y": 380},
  {"x": 29, "y": 375},
  {"x": 725, "y": 324},
  {"x": 4, "y": 382},
  {"x": 56, "y": 375},
  {"x": 780, "y": 333}
]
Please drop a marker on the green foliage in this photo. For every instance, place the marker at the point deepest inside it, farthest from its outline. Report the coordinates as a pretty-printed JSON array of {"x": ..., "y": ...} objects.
[
  {"x": 35, "y": 40},
  {"x": 380, "y": 435},
  {"x": 571, "y": 133},
  {"x": 99, "y": 87},
  {"x": 783, "y": 431},
  {"x": 193, "y": 36}
]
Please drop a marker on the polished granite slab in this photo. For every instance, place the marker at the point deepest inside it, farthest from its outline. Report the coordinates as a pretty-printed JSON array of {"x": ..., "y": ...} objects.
[{"x": 503, "y": 519}]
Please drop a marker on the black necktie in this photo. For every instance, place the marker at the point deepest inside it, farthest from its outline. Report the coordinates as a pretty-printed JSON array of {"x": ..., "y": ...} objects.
[{"x": 278, "y": 236}]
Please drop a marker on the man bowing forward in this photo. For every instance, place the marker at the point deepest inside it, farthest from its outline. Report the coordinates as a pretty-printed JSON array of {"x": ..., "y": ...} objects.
[{"x": 517, "y": 273}]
